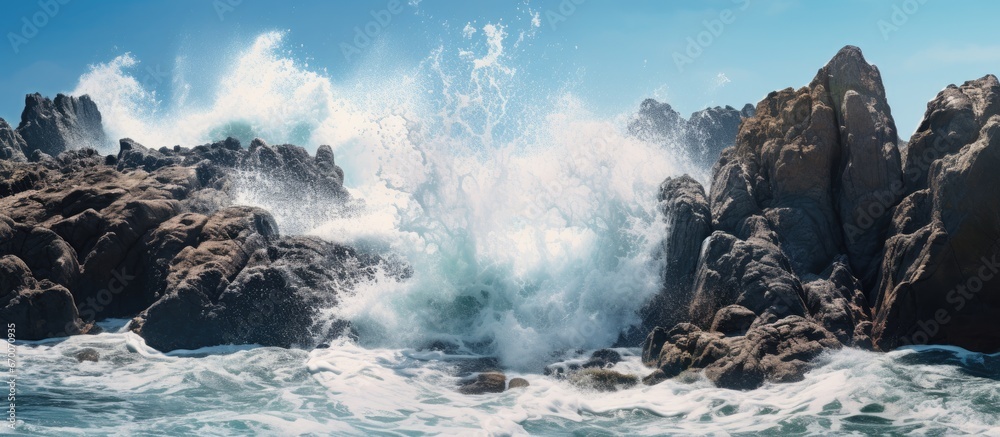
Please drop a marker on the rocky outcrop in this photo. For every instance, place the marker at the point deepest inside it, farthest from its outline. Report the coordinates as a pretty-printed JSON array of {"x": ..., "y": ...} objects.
[
  {"x": 830, "y": 231},
  {"x": 938, "y": 280},
  {"x": 11, "y": 144},
  {"x": 775, "y": 351},
  {"x": 152, "y": 234},
  {"x": 702, "y": 137},
  {"x": 225, "y": 288},
  {"x": 54, "y": 126},
  {"x": 796, "y": 239}
]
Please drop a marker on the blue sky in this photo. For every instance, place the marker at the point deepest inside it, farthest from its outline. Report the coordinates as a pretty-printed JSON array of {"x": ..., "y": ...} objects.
[{"x": 611, "y": 54}]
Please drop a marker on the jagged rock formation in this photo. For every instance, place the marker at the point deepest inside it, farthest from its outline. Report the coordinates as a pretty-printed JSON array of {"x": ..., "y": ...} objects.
[
  {"x": 684, "y": 204},
  {"x": 938, "y": 279},
  {"x": 11, "y": 144},
  {"x": 56, "y": 126},
  {"x": 152, "y": 234},
  {"x": 702, "y": 137},
  {"x": 822, "y": 234}
]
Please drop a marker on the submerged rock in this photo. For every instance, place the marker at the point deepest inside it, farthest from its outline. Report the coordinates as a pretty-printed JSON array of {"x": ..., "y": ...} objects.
[
  {"x": 88, "y": 354},
  {"x": 603, "y": 358},
  {"x": 602, "y": 379},
  {"x": 517, "y": 383},
  {"x": 488, "y": 382}
]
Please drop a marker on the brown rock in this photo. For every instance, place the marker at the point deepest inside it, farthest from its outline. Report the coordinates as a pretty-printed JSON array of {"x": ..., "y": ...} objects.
[{"x": 489, "y": 382}]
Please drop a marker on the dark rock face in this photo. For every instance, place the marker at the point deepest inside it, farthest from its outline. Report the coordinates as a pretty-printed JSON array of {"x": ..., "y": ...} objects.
[
  {"x": 11, "y": 144},
  {"x": 733, "y": 321},
  {"x": 688, "y": 222},
  {"x": 40, "y": 309},
  {"x": 702, "y": 137},
  {"x": 282, "y": 285},
  {"x": 938, "y": 276},
  {"x": 63, "y": 124}
]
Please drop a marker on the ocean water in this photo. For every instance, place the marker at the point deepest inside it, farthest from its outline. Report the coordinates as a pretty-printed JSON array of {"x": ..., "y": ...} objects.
[
  {"x": 531, "y": 227},
  {"x": 349, "y": 389}
]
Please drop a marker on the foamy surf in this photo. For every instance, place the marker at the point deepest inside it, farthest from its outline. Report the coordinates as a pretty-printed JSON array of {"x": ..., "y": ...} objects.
[{"x": 348, "y": 389}]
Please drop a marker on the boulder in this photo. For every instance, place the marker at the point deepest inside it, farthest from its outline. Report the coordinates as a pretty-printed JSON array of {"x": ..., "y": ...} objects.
[
  {"x": 133, "y": 155},
  {"x": 712, "y": 130},
  {"x": 488, "y": 382},
  {"x": 798, "y": 211},
  {"x": 754, "y": 274},
  {"x": 39, "y": 309},
  {"x": 836, "y": 301},
  {"x": 517, "y": 383}
]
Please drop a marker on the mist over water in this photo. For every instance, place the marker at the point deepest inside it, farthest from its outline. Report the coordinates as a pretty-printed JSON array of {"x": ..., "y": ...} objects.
[{"x": 530, "y": 224}]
